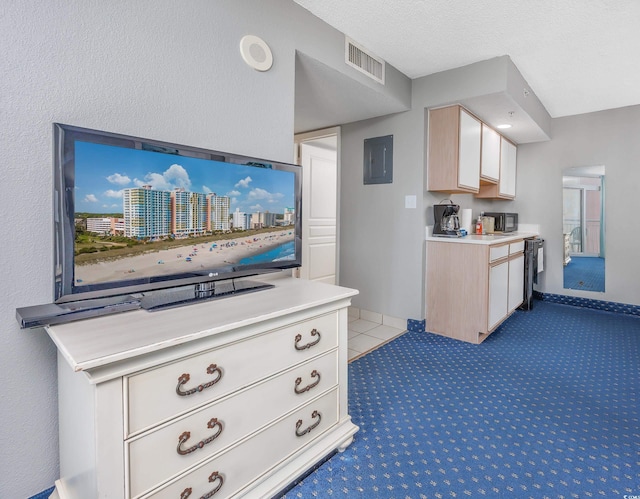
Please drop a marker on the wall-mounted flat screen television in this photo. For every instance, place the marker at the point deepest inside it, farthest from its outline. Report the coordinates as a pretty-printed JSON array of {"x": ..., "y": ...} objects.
[{"x": 133, "y": 215}]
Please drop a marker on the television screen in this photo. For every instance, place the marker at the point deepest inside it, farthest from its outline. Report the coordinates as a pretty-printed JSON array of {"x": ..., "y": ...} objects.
[{"x": 137, "y": 215}]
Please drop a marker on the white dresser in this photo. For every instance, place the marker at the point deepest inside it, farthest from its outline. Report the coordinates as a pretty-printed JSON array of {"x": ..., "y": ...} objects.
[{"x": 235, "y": 397}]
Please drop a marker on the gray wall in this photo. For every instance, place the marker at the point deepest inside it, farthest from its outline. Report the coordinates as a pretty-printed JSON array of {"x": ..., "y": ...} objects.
[
  {"x": 607, "y": 138},
  {"x": 158, "y": 69},
  {"x": 382, "y": 243}
]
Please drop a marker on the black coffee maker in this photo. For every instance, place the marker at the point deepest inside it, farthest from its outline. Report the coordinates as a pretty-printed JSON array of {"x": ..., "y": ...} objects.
[{"x": 446, "y": 222}]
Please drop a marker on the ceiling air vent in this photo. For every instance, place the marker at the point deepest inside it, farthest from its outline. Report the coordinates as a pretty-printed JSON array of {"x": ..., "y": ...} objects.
[{"x": 365, "y": 62}]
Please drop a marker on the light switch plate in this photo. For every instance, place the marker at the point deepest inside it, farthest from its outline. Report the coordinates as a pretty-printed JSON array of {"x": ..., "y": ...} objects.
[{"x": 410, "y": 201}]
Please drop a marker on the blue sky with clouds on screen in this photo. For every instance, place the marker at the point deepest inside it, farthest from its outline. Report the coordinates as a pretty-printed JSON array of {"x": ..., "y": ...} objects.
[{"x": 102, "y": 172}]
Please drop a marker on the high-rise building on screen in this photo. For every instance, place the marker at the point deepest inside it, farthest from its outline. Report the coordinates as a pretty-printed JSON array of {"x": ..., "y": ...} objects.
[
  {"x": 188, "y": 213},
  {"x": 151, "y": 213},
  {"x": 218, "y": 208},
  {"x": 147, "y": 212}
]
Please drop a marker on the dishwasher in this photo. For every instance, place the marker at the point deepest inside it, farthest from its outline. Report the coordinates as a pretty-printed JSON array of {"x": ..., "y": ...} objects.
[{"x": 533, "y": 265}]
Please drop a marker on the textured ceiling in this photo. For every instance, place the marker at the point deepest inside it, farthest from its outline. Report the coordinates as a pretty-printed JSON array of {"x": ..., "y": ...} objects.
[{"x": 578, "y": 56}]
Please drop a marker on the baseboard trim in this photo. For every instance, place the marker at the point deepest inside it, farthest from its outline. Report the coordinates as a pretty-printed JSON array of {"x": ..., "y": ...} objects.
[
  {"x": 417, "y": 325},
  {"x": 576, "y": 301}
]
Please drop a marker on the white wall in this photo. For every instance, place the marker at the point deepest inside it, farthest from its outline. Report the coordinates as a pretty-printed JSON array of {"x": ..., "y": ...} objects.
[
  {"x": 159, "y": 69},
  {"x": 608, "y": 138}
]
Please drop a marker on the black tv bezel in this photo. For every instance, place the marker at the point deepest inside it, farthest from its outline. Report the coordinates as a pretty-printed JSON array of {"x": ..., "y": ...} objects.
[{"x": 65, "y": 288}]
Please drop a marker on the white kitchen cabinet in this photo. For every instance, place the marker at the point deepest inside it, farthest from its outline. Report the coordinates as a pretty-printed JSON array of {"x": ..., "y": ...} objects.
[
  {"x": 490, "y": 159},
  {"x": 508, "y": 153},
  {"x": 516, "y": 282},
  {"x": 506, "y": 186},
  {"x": 466, "y": 155},
  {"x": 454, "y": 147},
  {"x": 506, "y": 281},
  {"x": 499, "y": 293},
  {"x": 239, "y": 396},
  {"x": 468, "y": 299}
]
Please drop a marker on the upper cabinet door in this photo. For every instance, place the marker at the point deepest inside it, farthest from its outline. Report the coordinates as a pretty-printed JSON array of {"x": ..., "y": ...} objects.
[
  {"x": 490, "y": 162},
  {"x": 506, "y": 186},
  {"x": 508, "y": 152},
  {"x": 453, "y": 157},
  {"x": 469, "y": 158}
]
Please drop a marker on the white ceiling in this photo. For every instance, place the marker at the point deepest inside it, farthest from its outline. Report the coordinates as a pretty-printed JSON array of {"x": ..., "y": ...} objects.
[{"x": 578, "y": 56}]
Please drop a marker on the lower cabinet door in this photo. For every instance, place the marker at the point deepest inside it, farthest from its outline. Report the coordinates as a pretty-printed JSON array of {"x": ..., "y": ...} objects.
[
  {"x": 516, "y": 282},
  {"x": 498, "y": 293},
  {"x": 244, "y": 463}
]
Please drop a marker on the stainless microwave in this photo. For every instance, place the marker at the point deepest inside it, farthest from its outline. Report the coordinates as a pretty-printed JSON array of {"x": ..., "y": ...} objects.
[{"x": 504, "y": 222}]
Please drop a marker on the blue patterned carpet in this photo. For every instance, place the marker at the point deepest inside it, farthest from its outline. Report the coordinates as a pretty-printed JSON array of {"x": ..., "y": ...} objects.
[
  {"x": 584, "y": 272},
  {"x": 547, "y": 407}
]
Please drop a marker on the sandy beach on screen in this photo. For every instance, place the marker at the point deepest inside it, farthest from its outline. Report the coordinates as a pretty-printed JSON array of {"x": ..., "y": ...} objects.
[{"x": 174, "y": 260}]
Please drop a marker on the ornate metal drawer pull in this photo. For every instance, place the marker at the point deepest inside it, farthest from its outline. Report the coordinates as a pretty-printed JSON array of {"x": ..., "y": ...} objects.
[
  {"x": 299, "y": 391},
  {"x": 314, "y": 332},
  {"x": 212, "y": 369},
  {"x": 314, "y": 414},
  {"x": 212, "y": 478},
  {"x": 213, "y": 422}
]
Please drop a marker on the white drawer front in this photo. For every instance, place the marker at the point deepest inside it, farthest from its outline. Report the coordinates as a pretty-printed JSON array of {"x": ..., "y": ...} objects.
[
  {"x": 153, "y": 457},
  {"x": 245, "y": 462},
  {"x": 497, "y": 252},
  {"x": 152, "y": 395},
  {"x": 516, "y": 247}
]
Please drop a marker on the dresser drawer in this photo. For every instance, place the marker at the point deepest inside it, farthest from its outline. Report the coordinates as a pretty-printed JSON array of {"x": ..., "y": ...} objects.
[
  {"x": 158, "y": 455},
  {"x": 244, "y": 463},
  {"x": 156, "y": 395}
]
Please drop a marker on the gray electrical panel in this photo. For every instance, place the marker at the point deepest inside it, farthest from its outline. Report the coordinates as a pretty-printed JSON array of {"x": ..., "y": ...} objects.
[{"x": 378, "y": 160}]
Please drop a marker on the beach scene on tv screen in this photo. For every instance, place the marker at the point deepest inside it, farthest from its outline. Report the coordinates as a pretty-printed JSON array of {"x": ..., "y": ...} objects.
[{"x": 142, "y": 214}]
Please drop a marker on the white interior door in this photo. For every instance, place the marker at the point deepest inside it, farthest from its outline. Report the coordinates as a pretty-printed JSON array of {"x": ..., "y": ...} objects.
[{"x": 319, "y": 161}]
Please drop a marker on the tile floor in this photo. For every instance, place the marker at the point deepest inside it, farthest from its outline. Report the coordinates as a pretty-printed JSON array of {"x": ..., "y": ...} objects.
[{"x": 365, "y": 336}]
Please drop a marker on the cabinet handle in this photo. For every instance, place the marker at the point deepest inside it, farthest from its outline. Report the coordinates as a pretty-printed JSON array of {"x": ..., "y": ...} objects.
[
  {"x": 212, "y": 478},
  {"x": 299, "y": 391},
  {"x": 212, "y": 369},
  {"x": 314, "y": 332},
  {"x": 314, "y": 414},
  {"x": 213, "y": 422}
]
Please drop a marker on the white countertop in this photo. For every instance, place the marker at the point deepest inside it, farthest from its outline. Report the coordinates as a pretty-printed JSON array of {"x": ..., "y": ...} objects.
[{"x": 485, "y": 239}]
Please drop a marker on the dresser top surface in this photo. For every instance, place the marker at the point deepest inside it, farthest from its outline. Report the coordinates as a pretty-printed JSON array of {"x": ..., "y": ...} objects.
[{"x": 94, "y": 343}]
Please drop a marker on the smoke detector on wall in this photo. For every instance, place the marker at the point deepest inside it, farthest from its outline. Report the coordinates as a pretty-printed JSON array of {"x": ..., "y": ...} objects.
[{"x": 359, "y": 58}]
